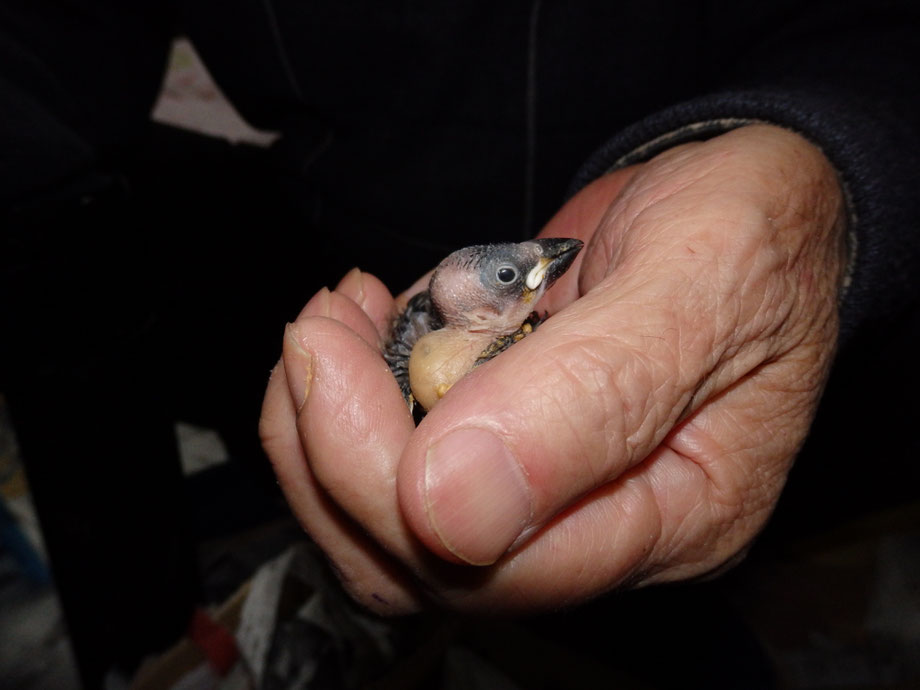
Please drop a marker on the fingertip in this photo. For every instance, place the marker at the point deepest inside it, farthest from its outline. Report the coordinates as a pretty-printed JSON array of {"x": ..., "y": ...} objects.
[
  {"x": 318, "y": 305},
  {"x": 371, "y": 295},
  {"x": 352, "y": 286},
  {"x": 334, "y": 305},
  {"x": 378, "y": 304}
]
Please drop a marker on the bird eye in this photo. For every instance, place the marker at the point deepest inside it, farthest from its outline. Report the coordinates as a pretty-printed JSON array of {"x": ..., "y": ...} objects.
[{"x": 506, "y": 274}]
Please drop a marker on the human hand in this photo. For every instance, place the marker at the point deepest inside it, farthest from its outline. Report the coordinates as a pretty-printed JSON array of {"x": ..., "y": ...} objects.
[{"x": 643, "y": 434}]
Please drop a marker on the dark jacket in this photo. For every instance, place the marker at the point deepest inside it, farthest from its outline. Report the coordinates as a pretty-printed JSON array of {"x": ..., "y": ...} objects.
[{"x": 467, "y": 121}]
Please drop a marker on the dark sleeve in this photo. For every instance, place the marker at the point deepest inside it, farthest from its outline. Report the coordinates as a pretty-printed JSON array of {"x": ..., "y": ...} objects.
[
  {"x": 77, "y": 81},
  {"x": 845, "y": 77}
]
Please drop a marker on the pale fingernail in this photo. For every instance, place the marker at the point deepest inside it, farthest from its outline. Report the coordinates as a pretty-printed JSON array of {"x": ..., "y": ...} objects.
[
  {"x": 318, "y": 305},
  {"x": 477, "y": 497},
  {"x": 298, "y": 365},
  {"x": 352, "y": 286}
]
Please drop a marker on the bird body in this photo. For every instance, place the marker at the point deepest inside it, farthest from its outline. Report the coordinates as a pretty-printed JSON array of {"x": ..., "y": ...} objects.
[
  {"x": 440, "y": 358},
  {"x": 479, "y": 302},
  {"x": 418, "y": 318}
]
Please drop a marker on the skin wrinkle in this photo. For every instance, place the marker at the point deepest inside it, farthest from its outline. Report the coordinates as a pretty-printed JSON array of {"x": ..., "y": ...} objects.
[
  {"x": 695, "y": 475},
  {"x": 730, "y": 364},
  {"x": 641, "y": 355},
  {"x": 634, "y": 498},
  {"x": 590, "y": 382},
  {"x": 594, "y": 364},
  {"x": 761, "y": 376},
  {"x": 693, "y": 535},
  {"x": 761, "y": 254},
  {"x": 599, "y": 361},
  {"x": 703, "y": 310},
  {"x": 674, "y": 352},
  {"x": 742, "y": 363},
  {"x": 756, "y": 268},
  {"x": 591, "y": 572},
  {"x": 566, "y": 537},
  {"x": 687, "y": 538},
  {"x": 353, "y": 415},
  {"x": 726, "y": 494},
  {"x": 583, "y": 572},
  {"x": 764, "y": 308},
  {"x": 723, "y": 552},
  {"x": 653, "y": 420},
  {"x": 350, "y": 420},
  {"x": 645, "y": 499},
  {"x": 597, "y": 471}
]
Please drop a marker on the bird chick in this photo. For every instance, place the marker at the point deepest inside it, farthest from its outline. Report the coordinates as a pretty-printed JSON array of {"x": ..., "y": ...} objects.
[{"x": 479, "y": 302}]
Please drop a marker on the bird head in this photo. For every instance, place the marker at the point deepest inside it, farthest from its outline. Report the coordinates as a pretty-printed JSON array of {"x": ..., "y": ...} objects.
[{"x": 492, "y": 288}]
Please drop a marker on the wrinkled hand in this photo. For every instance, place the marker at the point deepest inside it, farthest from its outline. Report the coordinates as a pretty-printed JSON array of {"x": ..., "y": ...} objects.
[{"x": 642, "y": 434}]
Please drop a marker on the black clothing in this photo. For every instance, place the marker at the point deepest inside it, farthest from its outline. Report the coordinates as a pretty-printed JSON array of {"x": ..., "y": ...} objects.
[
  {"x": 409, "y": 129},
  {"x": 457, "y": 123}
]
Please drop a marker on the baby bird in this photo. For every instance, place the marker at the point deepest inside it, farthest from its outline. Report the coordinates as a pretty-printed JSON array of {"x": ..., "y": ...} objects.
[{"x": 478, "y": 303}]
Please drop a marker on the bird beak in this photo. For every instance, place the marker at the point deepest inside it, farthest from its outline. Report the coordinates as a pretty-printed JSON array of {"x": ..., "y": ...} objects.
[{"x": 558, "y": 255}]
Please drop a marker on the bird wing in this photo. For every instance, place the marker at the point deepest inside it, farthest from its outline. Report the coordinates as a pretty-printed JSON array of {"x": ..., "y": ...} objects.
[{"x": 418, "y": 318}]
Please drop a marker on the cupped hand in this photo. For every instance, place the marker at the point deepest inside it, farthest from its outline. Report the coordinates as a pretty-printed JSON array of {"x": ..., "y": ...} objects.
[{"x": 642, "y": 434}]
